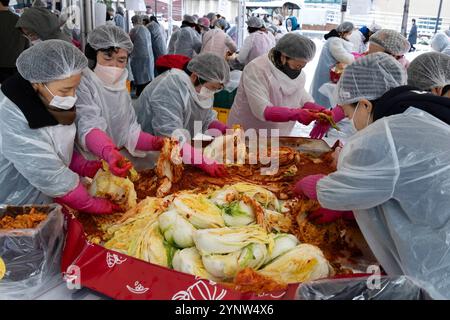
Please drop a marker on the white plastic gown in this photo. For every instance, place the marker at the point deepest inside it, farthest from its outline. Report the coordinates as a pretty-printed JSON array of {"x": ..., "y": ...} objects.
[
  {"x": 158, "y": 40},
  {"x": 141, "y": 58},
  {"x": 218, "y": 42},
  {"x": 255, "y": 45},
  {"x": 34, "y": 163},
  {"x": 357, "y": 39},
  {"x": 107, "y": 109},
  {"x": 170, "y": 102},
  {"x": 395, "y": 176},
  {"x": 262, "y": 85},
  {"x": 185, "y": 41},
  {"x": 334, "y": 50}
]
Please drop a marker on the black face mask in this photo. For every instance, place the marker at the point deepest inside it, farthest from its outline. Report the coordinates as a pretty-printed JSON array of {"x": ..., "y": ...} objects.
[{"x": 291, "y": 73}]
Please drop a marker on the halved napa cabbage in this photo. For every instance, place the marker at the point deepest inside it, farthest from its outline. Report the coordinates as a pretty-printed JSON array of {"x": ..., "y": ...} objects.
[
  {"x": 176, "y": 229},
  {"x": 189, "y": 261},
  {"x": 198, "y": 210}
]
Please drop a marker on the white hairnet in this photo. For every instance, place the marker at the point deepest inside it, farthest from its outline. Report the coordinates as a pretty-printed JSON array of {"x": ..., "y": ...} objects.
[
  {"x": 439, "y": 42},
  {"x": 210, "y": 67},
  {"x": 255, "y": 22},
  {"x": 108, "y": 36},
  {"x": 296, "y": 46},
  {"x": 211, "y": 16},
  {"x": 279, "y": 17},
  {"x": 429, "y": 70},
  {"x": 391, "y": 41},
  {"x": 39, "y": 4},
  {"x": 345, "y": 26},
  {"x": 50, "y": 60},
  {"x": 369, "y": 78},
  {"x": 189, "y": 18},
  {"x": 375, "y": 27}
]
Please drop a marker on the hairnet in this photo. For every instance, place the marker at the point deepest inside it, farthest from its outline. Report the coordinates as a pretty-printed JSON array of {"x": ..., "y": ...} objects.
[
  {"x": 375, "y": 27},
  {"x": 391, "y": 41},
  {"x": 272, "y": 28},
  {"x": 120, "y": 10},
  {"x": 345, "y": 27},
  {"x": 39, "y": 4},
  {"x": 279, "y": 17},
  {"x": 137, "y": 19},
  {"x": 189, "y": 18},
  {"x": 447, "y": 32},
  {"x": 439, "y": 42},
  {"x": 296, "y": 46},
  {"x": 211, "y": 16},
  {"x": 210, "y": 67},
  {"x": 204, "y": 22},
  {"x": 429, "y": 70},
  {"x": 255, "y": 22},
  {"x": 40, "y": 21},
  {"x": 108, "y": 36},
  {"x": 369, "y": 78},
  {"x": 221, "y": 23},
  {"x": 50, "y": 60}
]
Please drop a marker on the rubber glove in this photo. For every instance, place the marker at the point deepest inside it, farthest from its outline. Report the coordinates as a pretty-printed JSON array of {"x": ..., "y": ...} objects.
[
  {"x": 314, "y": 106},
  {"x": 322, "y": 127},
  {"x": 322, "y": 215},
  {"x": 285, "y": 114},
  {"x": 216, "y": 124},
  {"x": 79, "y": 199},
  {"x": 98, "y": 142},
  {"x": 195, "y": 157},
  {"x": 308, "y": 186},
  {"x": 148, "y": 142},
  {"x": 84, "y": 167}
]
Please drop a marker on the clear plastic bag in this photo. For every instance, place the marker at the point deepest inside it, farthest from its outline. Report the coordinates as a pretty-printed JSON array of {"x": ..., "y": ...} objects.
[
  {"x": 32, "y": 256},
  {"x": 388, "y": 288}
]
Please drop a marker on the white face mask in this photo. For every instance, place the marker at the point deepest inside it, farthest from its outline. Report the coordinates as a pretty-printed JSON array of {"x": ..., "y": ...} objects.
[
  {"x": 64, "y": 103},
  {"x": 206, "y": 97},
  {"x": 353, "y": 119},
  {"x": 109, "y": 75}
]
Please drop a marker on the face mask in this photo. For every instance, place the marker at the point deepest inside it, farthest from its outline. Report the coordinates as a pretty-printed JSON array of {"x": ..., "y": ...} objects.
[
  {"x": 291, "y": 73},
  {"x": 64, "y": 103},
  {"x": 353, "y": 119},
  {"x": 109, "y": 75},
  {"x": 206, "y": 97}
]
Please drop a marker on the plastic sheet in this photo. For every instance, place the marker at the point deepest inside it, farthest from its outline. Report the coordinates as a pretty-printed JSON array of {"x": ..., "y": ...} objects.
[
  {"x": 388, "y": 288},
  {"x": 32, "y": 256}
]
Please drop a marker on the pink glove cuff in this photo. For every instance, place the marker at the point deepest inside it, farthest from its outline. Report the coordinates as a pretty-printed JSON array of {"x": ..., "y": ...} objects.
[
  {"x": 338, "y": 113},
  {"x": 99, "y": 143},
  {"x": 216, "y": 124},
  {"x": 313, "y": 106},
  {"x": 77, "y": 163},
  {"x": 190, "y": 155},
  {"x": 279, "y": 114},
  {"x": 78, "y": 198},
  {"x": 148, "y": 142},
  {"x": 308, "y": 186}
]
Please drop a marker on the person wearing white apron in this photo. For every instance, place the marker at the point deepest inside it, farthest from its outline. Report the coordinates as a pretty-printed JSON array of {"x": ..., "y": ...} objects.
[{"x": 37, "y": 131}]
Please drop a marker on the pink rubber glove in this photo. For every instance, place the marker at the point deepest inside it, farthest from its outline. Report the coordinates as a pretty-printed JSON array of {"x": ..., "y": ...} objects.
[
  {"x": 79, "y": 199},
  {"x": 192, "y": 156},
  {"x": 322, "y": 215},
  {"x": 216, "y": 124},
  {"x": 98, "y": 142},
  {"x": 284, "y": 114},
  {"x": 314, "y": 106},
  {"x": 148, "y": 142},
  {"x": 321, "y": 127},
  {"x": 308, "y": 186},
  {"x": 357, "y": 55},
  {"x": 84, "y": 167}
]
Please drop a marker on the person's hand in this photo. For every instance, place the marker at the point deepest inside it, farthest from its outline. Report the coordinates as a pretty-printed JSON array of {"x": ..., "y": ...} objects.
[
  {"x": 214, "y": 170},
  {"x": 91, "y": 167},
  {"x": 102, "y": 206},
  {"x": 319, "y": 130},
  {"x": 118, "y": 164},
  {"x": 335, "y": 155},
  {"x": 149, "y": 142},
  {"x": 307, "y": 186},
  {"x": 314, "y": 107},
  {"x": 322, "y": 216},
  {"x": 157, "y": 143}
]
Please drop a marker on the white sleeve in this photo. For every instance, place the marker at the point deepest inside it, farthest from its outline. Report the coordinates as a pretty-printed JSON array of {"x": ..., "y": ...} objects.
[
  {"x": 256, "y": 90},
  {"x": 245, "y": 50},
  {"x": 32, "y": 153},
  {"x": 89, "y": 114},
  {"x": 368, "y": 170},
  {"x": 231, "y": 45},
  {"x": 338, "y": 52}
]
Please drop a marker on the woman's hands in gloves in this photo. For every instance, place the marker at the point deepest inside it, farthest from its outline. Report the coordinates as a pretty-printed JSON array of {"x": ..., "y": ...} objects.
[
  {"x": 148, "y": 142},
  {"x": 84, "y": 167},
  {"x": 195, "y": 157},
  {"x": 285, "y": 114},
  {"x": 322, "y": 127},
  {"x": 322, "y": 215},
  {"x": 79, "y": 199}
]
